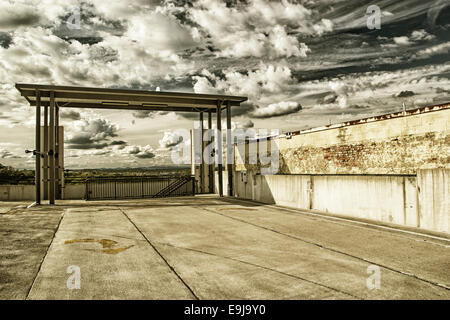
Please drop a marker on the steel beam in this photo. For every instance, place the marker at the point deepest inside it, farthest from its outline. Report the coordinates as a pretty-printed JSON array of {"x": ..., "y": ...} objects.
[
  {"x": 27, "y": 89},
  {"x": 119, "y": 106},
  {"x": 99, "y": 98}
]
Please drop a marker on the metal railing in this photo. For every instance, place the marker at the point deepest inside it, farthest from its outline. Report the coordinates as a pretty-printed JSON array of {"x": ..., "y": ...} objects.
[{"x": 136, "y": 187}]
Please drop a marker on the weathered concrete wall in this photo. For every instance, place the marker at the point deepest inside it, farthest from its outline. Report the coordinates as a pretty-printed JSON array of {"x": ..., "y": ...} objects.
[
  {"x": 394, "y": 144},
  {"x": 393, "y": 168},
  {"x": 389, "y": 199},
  {"x": 27, "y": 192},
  {"x": 434, "y": 198},
  {"x": 74, "y": 191},
  {"x": 421, "y": 202},
  {"x": 17, "y": 192}
]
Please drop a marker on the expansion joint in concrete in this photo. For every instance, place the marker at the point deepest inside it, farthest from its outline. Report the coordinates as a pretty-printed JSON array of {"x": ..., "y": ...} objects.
[
  {"x": 161, "y": 256},
  {"x": 265, "y": 268},
  {"x": 332, "y": 250},
  {"x": 45, "y": 255}
]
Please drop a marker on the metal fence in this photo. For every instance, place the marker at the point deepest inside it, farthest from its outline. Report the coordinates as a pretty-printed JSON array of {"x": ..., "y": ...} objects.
[{"x": 135, "y": 187}]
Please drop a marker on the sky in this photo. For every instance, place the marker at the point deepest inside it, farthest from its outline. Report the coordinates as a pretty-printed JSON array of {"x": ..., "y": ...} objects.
[{"x": 301, "y": 63}]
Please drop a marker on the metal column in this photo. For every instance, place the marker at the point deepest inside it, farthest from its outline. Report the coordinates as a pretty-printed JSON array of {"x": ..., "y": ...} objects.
[
  {"x": 52, "y": 149},
  {"x": 211, "y": 165},
  {"x": 202, "y": 167},
  {"x": 56, "y": 156},
  {"x": 219, "y": 147},
  {"x": 37, "y": 172},
  {"x": 230, "y": 151},
  {"x": 45, "y": 155}
]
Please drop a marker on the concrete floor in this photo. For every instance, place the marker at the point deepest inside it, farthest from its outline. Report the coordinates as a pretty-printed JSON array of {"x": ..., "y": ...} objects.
[{"x": 210, "y": 248}]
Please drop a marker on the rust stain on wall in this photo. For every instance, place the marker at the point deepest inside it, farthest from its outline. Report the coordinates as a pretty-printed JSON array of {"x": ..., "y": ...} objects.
[{"x": 400, "y": 144}]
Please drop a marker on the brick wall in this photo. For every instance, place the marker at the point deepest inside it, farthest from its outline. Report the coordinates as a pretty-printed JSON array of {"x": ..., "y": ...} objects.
[{"x": 394, "y": 144}]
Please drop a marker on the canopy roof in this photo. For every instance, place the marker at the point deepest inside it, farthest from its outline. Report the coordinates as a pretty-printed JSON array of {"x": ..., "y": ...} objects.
[{"x": 101, "y": 98}]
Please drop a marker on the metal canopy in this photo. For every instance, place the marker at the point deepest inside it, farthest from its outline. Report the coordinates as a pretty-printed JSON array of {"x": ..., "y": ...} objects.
[
  {"x": 125, "y": 99},
  {"x": 52, "y": 98}
]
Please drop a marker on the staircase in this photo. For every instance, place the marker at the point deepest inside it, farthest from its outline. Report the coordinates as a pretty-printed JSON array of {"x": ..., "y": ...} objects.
[{"x": 172, "y": 187}]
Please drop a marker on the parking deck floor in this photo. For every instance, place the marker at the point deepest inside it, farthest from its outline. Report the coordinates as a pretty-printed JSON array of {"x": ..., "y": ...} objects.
[{"x": 206, "y": 247}]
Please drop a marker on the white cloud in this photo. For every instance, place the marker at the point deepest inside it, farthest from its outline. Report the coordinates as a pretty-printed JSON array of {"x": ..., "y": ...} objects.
[
  {"x": 324, "y": 26},
  {"x": 141, "y": 152},
  {"x": 277, "y": 109},
  {"x": 415, "y": 37},
  {"x": 419, "y": 35},
  {"x": 404, "y": 40},
  {"x": 260, "y": 85},
  {"x": 257, "y": 29},
  {"x": 5, "y": 154},
  {"x": 170, "y": 139},
  {"x": 442, "y": 48}
]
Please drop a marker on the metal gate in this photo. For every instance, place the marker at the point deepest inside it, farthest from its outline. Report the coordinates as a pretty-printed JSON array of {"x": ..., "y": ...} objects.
[{"x": 109, "y": 188}]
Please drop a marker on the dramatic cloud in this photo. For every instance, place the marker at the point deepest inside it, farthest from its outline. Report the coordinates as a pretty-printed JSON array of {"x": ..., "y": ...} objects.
[
  {"x": 5, "y": 154},
  {"x": 70, "y": 114},
  {"x": 277, "y": 109},
  {"x": 170, "y": 139},
  {"x": 91, "y": 134},
  {"x": 259, "y": 84},
  {"x": 404, "y": 94},
  {"x": 256, "y": 29},
  {"x": 142, "y": 114},
  {"x": 141, "y": 152},
  {"x": 118, "y": 143},
  {"x": 279, "y": 54},
  {"x": 439, "y": 49},
  {"x": 247, "y": 124},
  {"x": 14, "y": 15}
]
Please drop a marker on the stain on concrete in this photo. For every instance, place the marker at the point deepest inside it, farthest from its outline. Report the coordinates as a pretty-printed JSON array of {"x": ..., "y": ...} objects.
[
  {"x": 116, "y": 250},
  {"x": 107, "y": 245}
]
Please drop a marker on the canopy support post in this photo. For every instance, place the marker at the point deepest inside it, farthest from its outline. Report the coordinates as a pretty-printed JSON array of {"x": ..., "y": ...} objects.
[
  {"x": 219, "y": 147},
  {"x": 37, "y": 168}
]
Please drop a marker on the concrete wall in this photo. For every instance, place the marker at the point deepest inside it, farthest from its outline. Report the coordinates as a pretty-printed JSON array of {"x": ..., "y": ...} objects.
[
  {"x": 27, "y": 192},
  {"x": 74, "y": 191},
  {"x": 17, "y": 192},
  {"x": 392, "y": 168},
  {"x": 421, "y": 202},
  {"x": 393, "y": 144},
  {"x": 434, "y": 198}
]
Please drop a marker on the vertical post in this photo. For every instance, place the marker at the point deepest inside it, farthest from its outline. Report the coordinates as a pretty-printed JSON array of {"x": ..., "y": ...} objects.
[
  {"x": 230, "y": 151},
  {"x": 202, "y": 176},
  {"x": 210, "y": 166},
  {"x": 57, "y": 164},
  {"x": 219, "y": 147},
  {"x": 37, "y": 174},
  {"x": 45, "y": 154},
  {"x": 51, "y": 147}
]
